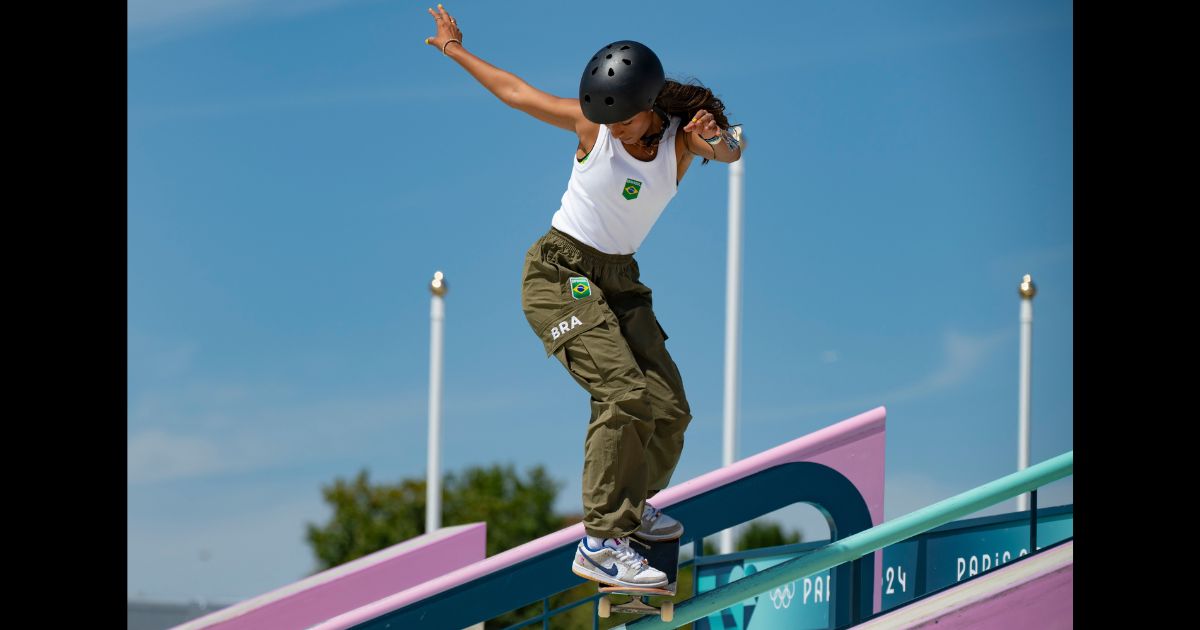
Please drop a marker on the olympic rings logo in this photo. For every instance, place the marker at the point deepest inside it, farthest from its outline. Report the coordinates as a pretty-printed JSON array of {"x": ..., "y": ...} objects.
[{"x": 782, "y": 597}]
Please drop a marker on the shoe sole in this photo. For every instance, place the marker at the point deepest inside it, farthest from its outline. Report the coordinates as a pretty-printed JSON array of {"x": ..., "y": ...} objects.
[
  {"x": 660, "y": 538},
  {"x": 606, "y": 579}
]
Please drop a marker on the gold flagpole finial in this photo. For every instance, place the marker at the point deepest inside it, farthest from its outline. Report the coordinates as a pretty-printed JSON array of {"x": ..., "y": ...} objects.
[
  {"x": 439, "y": 287},
  {"x": 1027, "y": 288}
]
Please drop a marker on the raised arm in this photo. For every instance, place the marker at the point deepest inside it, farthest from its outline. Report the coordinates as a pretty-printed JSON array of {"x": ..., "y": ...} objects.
[{"x": 513, "y": 91}]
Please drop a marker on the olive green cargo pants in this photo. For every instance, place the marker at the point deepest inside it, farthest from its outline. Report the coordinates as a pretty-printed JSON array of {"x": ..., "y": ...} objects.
[{"x": 595, "y": 316}]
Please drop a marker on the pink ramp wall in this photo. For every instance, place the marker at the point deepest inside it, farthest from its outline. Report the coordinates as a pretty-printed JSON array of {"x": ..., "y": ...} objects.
[{"x": 355, "y": 583}]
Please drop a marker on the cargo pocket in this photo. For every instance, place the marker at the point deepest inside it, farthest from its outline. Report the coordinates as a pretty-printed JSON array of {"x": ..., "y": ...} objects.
[
  {"x": 574, "y": 356},
  {"x": 572, "y": 322},
  {"x": 563, "y": 338}
]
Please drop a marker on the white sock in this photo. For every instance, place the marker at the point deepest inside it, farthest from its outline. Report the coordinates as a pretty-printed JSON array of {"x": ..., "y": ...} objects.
[{"x": 594, "y": 543}]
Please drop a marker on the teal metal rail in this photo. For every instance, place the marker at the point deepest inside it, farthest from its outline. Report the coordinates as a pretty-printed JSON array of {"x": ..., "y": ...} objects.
[{"x": 865, "y": 542}]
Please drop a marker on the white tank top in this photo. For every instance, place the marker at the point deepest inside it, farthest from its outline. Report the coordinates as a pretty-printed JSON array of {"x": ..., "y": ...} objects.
[{"x": 613, "y": 199}]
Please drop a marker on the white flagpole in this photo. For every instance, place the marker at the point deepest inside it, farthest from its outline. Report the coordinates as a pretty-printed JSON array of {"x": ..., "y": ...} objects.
[
  {"x": 733, "y": 317},
  {"x": 1028, "y": 290},
  {"x": 433, "y": 474}
]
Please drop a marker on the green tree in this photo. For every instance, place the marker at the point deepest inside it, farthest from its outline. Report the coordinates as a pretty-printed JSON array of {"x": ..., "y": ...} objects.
[
  {"x": 369, "y": 517},
  {"x": 756, "y": 535},
  {"x": 761, "y": 534},
  {"x": 516, "y": 510},
  {"x": 366, "y": 518}
]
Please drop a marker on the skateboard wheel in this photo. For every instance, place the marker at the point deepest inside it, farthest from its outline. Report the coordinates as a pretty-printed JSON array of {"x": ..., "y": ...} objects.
[
  {"x": 667, "y": 612},
  {"x": 604, "y": 607}
]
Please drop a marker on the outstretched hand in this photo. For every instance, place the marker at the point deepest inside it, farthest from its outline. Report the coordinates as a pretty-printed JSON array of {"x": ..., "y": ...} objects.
[
  {"x": 447, "y": 29},
  {"x": 704, "y": 124}
]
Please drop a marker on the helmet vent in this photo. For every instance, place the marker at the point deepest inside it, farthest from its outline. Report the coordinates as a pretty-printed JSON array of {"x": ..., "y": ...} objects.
[
  {"x": 587, "y": 98},
  {"x": 608, "y": 100},
  {"x": 610, "y": 72},
  {"x": 627, "y": 62},
  {"x": 624, "y": 48},
  {"x": 608, "y": 56},
  {"x": 595, "y": 69}
]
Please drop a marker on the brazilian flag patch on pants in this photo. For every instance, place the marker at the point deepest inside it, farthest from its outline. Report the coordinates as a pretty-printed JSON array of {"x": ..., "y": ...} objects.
[
  {"x": 580, "y": 288},
  {"x": 632, "y": 188}
]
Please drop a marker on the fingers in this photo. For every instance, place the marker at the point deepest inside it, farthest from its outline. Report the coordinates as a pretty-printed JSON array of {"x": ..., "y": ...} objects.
[
  {"x": 703, "y": 123},
  {"x": 443, "y": 18},
  {"x": 447, "y": 18},
  {"x": 437, "y": 20},
  {"x": 447, "y": 27}
]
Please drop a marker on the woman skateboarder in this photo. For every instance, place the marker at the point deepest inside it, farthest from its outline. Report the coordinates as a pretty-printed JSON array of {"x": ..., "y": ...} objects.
[{"x": 637, "y": 135}]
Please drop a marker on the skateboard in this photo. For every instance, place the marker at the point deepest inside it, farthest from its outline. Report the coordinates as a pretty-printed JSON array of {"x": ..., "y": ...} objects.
[{"x": 662, "y": 555}]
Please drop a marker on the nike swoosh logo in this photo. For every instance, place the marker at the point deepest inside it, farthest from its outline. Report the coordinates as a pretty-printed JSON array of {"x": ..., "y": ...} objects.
[{"x": 609, "y": 572}]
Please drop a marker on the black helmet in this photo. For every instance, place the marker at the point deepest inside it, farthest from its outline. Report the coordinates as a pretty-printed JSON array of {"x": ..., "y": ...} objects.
[{"x": 622, "y": 79}]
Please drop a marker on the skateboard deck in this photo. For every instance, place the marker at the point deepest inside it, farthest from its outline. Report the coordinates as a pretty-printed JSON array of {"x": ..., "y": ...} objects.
[{"x": 662, "y": 555}]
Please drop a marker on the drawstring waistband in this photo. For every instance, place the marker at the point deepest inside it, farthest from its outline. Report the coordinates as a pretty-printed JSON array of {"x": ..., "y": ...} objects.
[{"x": 586, "y": 250}]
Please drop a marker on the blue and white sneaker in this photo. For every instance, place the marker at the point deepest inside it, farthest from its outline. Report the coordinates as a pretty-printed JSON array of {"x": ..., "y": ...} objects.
[
  {"x": 657, "y": 526},
  {"x": 616, "y": 563}
]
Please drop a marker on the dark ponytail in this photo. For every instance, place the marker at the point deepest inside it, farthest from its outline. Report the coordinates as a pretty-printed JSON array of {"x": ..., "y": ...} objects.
[{"x": 684, "y": 100}]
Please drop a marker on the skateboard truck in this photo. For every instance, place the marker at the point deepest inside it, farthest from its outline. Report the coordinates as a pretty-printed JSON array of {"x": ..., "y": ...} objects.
[{"x": 639, "y": 602}]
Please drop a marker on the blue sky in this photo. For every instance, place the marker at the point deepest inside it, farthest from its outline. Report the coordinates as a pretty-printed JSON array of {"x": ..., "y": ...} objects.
[{"x": 298, "y": 170}]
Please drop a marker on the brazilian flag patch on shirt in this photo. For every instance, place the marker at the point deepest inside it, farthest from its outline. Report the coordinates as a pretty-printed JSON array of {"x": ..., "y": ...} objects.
[
  {"x": 580, "y": 288},
  {"x": 632, "y": 188}
]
